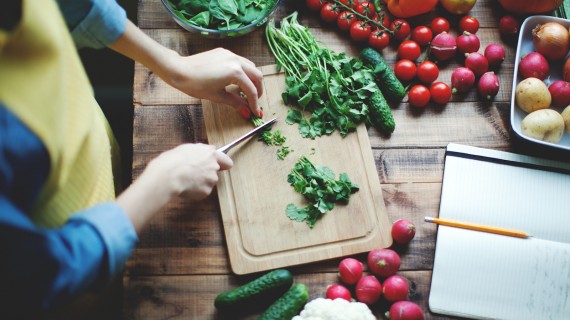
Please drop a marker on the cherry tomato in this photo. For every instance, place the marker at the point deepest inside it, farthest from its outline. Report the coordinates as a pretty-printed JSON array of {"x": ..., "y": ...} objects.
[
  {"x": 315, "y": 5},
  {"x": 348, "y": 3},
  {"x": 440, "y": 93},
  {"x": 427, "y": 72},
  {"x": 401, "y": 29},
  {"x": 345, "y": 19},
  {"x": 439, "y": 25},
  {"x": 329, "y": 12},
  {"x": 469, "y": 24},
  {"x": 405, "y": 70},
  {"x": 386, "y": 22},
  {"x": 359, "y": 31},
  {"x": 409, "y": 49},
  {"x": 379, "y": 39},
  {"x": 422, "y": 35},
  {"x": 365, "y": 8},
  {"x": 419, "y": 96}
]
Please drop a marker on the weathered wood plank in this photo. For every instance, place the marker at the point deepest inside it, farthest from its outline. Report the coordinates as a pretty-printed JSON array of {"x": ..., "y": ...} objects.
[
  {"x": 153, "y": 15},
  {"x": 151, "y": 90}
]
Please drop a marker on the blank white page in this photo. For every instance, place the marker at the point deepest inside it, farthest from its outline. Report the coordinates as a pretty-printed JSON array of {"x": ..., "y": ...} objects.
[{"x": 483, "y": 275}]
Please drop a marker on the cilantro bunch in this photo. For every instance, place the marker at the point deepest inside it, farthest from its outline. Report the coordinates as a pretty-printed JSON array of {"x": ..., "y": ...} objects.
[
  {"x": 338, "y": 91},
  {"x": 318, "y": 185}
]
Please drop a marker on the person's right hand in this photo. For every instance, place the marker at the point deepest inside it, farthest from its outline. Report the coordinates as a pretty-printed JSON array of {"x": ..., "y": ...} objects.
[{"x": 189, "y": 170}]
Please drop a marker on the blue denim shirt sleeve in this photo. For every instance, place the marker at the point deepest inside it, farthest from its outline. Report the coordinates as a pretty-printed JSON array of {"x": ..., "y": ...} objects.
[{"x": 93, "y": 23}]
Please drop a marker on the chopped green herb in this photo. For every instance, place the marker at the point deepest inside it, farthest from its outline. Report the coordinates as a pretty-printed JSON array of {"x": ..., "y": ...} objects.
[
  {"x": 272, "y": 138},
  {"x": 318, "y": 185},
  {"x": 283, "y": 152}
]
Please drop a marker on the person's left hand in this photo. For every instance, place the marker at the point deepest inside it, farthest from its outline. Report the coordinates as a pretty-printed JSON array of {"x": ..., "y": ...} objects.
[{"x": 207, "y": 75}]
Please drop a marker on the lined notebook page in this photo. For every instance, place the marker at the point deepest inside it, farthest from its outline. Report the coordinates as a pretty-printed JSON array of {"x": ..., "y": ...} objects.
[{"x": 481, "y": 275}]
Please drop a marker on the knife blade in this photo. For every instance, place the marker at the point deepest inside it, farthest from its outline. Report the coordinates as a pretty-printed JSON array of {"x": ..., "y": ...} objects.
[{"x": 237, "y": 141}]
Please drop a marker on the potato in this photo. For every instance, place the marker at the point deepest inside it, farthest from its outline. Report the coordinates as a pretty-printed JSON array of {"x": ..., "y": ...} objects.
[
  {"x": 566, "y": 117},
  {"x": 545, "y": 124},
  {"x": 532, "y": 94}
]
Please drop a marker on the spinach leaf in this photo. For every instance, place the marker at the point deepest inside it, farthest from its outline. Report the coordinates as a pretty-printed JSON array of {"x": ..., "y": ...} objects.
[{"x": 202, "y": 19}]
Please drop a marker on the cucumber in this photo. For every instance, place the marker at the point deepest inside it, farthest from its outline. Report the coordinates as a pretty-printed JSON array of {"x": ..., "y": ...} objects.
[
  {"x": 261, "y": 291},
  {"x": 381, "y": 114},
  {"x": 288, "y": 305},
  {"x": 390, "y": 86}
]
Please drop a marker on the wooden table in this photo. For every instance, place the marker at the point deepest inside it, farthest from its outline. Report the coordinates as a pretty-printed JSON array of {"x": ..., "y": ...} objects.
[{"x": 181, "y": 262}]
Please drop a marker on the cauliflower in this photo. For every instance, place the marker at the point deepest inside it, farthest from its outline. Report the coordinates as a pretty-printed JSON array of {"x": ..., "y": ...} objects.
[{"x": 337, "y": 309}]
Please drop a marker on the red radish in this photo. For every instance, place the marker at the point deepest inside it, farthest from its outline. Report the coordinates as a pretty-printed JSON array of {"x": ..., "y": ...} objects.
[
  {"x": 443, "y": 46},
  {"x": 508, "y": 25},
  {"x": 462, "y": 79},
  {"x": 495, "y": 54},
  {"x": 488, "y": 85},
  {"x": 560, "y": 92},
  {"x": 350, "y": 270},
  {"x": 383, "y": 262},
  {"x": 336, "y": 291},
  {"x": 534, "y": 65},
  {"x": 405, "y": 310},
  {"x": 403, "y": 231},
  {"x": 368, "y": 290},
  {"x": 468, "y": 42},
  {"x": 395, "y": 288},
  {"x": 477, "y": 63}
]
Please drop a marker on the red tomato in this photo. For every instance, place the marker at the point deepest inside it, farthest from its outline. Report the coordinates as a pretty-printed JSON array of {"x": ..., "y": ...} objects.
[
  {"x": 422, "y": 35},
  {"x": 315, "y": 5},
  {"x": 405, "y": 70},
  {"x": 348, "y": 3},
  {"x": 439, "y": 25},
  {"x": 401, "y": 29},
  {"x": 469, "y": 24},
  {"x": 345, "y": 19},
  {"x": 360, "y": 31},
  {"x": 386, "y": 22},
  {"x": 329, "y": 12},
  {"x": 409, "y": 49},
  {"x": 365, "y": 9},
  {"x": 427, "y": 72},
  {"x": 379, "y": 39},
  {"x": 419, "y": 96},
  {"x": 440, "y": 92}
]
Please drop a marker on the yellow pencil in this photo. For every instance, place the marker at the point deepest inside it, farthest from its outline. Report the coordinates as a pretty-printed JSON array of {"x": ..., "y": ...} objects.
[{"x": 477, "y": 227}]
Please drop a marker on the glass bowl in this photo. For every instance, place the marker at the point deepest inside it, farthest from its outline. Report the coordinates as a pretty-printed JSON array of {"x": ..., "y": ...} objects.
[{"x": 184, "y": 20}]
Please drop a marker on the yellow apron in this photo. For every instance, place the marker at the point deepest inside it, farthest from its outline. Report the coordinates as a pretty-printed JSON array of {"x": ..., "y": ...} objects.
[{"x": 43, "y": 82}]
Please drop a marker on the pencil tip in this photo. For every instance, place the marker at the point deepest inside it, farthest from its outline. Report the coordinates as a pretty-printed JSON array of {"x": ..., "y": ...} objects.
[{"x": 428, "y": 219}]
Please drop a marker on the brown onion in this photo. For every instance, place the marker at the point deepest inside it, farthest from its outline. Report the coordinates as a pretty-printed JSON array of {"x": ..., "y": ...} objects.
[{"x": 551, "y": 40}]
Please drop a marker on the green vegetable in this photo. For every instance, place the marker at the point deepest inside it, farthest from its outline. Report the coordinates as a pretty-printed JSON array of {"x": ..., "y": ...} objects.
[
  {"x": 264, "y": 289},
  {"x": 391, "y": 87},
  {"x": 288, "y": 305},
  {"x": 318, "y": 185},
  {"x": 380, "y": 113},
  {"x": 335, "y": 90},
  {"x": 272, "y": 138},
  {"x": 221, "y": 14}
]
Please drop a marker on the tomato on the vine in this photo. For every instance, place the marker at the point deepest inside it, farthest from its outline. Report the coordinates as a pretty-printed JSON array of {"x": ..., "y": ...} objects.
[
  {"x": 469, "y": 24},
  {"x": 384, "y": 19},
  {"x": 379, "y": 39},
  {"x": 422, "y": 35},
  {"x": 419, "y": 96},
  {"x": 427, "y": 72},
  {"x": 348, "y": 3},
  {"x": 359, "y": 31},
  {"x": 439, "y": 25},
  {"x": 405, "y": 70},
  {"x": 345, "y": 20},
  {"x": 365, "y": 8},
  {"x": 315, "y": 5},
  {"x": 329, "y": 12},
  {"x": 409, "y": 49},
  {"x": 401, "y": 29},
  {"x": 440, "y": 92}
]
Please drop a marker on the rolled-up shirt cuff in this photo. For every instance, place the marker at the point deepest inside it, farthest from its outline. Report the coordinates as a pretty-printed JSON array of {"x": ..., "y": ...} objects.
[
  {"x": 116, "y": 231},
  {"x": 103, "y": 25}
]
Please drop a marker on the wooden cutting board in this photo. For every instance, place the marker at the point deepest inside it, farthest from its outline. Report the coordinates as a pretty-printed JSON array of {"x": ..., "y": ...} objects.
[{"x": 253, "y": 195}]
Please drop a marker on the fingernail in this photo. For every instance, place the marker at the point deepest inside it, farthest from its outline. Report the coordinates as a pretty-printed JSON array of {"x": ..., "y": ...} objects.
[
  {"x": 261, "y": 113},
  {"x": 245, "y": 113}
]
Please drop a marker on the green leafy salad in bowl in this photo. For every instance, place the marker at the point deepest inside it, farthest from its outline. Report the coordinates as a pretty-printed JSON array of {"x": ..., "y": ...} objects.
[{"x": 220, "y": 18}]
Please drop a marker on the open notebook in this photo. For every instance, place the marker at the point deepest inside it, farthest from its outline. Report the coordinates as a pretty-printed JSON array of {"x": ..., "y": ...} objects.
[{"x": 488, "y": 276}]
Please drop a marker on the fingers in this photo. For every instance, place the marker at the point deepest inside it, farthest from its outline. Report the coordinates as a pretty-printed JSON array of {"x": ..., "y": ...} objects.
[
  {"x": 224, "y": 161},
  {"x": 254, "y": 74},
  {"x": 249, "y": 88}
]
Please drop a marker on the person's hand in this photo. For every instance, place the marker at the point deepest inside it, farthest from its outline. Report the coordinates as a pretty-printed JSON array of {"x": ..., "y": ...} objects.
[{"x": 207, "y": 75}]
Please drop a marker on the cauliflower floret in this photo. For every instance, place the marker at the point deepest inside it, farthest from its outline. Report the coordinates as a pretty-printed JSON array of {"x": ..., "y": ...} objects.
[{"x": 337, "y": 309}]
